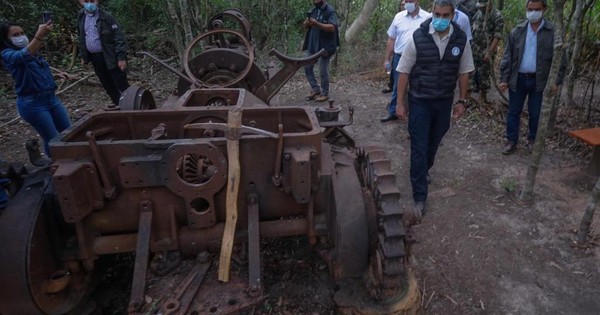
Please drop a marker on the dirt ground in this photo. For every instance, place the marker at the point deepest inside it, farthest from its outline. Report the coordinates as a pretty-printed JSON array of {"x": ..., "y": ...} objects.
[{"x": 479, "y": 250}]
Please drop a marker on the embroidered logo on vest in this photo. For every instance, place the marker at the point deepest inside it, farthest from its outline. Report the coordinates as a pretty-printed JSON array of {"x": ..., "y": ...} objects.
[{"x": 455, "y": 51}]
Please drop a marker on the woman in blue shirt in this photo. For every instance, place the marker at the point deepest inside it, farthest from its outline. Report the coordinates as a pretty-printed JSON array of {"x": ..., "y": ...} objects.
[{"x": 35, "y": 87}]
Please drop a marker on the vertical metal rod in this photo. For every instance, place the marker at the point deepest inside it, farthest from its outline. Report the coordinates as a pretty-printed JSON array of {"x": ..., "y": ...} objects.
[
  {"x": 254, "y": 275},
  {"x": 142, "y": 254},
  {"x": 109, "y": 188},
  {"x": 277, "y": 172}
]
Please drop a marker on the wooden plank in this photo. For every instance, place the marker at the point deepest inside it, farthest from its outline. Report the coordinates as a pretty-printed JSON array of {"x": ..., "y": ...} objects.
[
  {"x": 591, "y": 136},
  {"x": 234, "y": 122}
]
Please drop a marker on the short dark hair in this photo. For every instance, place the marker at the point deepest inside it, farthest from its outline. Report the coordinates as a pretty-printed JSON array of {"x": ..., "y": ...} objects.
[
  {"x": 544, "y": 2},
  {"x": 443, "y": 3},
  {"x": 4, "y": 41}
]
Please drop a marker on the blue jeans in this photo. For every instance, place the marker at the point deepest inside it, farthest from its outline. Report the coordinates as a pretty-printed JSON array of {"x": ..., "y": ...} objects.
[
  {"x": 525, "y": 88},
  {"x": 3, "y": 193},
  {"x": 323, "y": 71},
  {"x": 45, "y": 113},
  {"x": 396, "y": 74},
  {"x": 428, "y": 122}
]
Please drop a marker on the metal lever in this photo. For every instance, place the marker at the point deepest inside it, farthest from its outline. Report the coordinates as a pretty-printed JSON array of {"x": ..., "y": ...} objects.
[{"x": 229, "y": 133}]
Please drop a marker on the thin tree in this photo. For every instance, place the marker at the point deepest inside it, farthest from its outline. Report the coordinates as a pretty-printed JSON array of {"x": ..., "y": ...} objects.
[
  {"x": 361, "y": 21},
  {"x": 588, "y": 216},
  {"x": 547, "y": 104},
  {"x": 575, "y": 41}
]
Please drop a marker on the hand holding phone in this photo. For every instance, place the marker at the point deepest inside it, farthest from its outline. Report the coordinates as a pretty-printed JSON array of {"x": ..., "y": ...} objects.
[{"x": 46, "y": 17}]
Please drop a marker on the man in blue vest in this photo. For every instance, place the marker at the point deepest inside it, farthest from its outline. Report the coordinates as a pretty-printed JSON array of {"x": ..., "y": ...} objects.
[
  {"x": 438, "y": 55},
  {"x": 322, "y": 25}
]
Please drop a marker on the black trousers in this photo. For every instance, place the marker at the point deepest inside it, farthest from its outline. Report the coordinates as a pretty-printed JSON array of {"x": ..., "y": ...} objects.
[{"x": 114, "y": 80}]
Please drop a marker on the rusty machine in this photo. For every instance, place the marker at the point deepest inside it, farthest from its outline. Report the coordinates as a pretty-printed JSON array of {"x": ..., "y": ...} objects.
[{"x": 201, "y": 178}]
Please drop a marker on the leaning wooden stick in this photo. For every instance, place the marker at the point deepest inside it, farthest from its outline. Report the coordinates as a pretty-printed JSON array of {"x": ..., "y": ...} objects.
[{"x": 234, "y": 122}]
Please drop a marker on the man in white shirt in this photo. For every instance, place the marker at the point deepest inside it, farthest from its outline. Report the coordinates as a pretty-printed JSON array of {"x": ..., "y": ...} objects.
[
  {"x": 399, "y": 33},
  {"x": 437, "y": 55},
  {"x": 463, "y": 21}
]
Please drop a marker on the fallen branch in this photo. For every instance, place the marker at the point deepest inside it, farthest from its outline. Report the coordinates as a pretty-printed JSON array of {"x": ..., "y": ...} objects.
[
  {"x": 75, "y": 83},
  {"x": 429, "y": 301},
  {"x": 451, "y": 299},
  {"x": 10, "y": 121}
]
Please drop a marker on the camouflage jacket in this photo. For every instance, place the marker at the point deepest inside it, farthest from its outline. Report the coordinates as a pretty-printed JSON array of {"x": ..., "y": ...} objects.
[{"x": 494, "y": 28}]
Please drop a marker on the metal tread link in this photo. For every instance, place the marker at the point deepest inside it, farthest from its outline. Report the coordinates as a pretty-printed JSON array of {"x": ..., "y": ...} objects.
[{"x": 382, "y": 184}]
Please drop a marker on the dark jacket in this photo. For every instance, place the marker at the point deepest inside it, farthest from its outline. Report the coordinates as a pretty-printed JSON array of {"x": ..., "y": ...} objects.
[
  {"x": 328, "y": 40},
  {"x": 432, "y": 77},
  {"x": 112, "y": 38},
  {"x": 513, "y": 55}
]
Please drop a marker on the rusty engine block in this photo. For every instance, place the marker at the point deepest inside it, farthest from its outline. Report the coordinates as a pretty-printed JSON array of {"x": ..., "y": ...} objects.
[{"x": 215, "y": 165}]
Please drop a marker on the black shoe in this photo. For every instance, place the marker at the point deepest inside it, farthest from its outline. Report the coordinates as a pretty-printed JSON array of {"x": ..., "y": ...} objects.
[
  {"x": 388, "y": 117},
  {"x": 509, "y": 148},
  {"x": 387, "y": 90},
  {"x": 530, "y": 145},
  {"x": 419, "y": 211}
]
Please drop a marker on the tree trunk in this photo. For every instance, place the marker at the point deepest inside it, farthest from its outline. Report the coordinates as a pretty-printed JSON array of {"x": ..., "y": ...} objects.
[
  {"x": 575, "y": 41},
  {"x": 177, "y": 28},
  {"x": 361, "y": 21},
  {"x": 186, "y": 20},
  {"x": 588, "y": 216},
  {"x": 547, "y": 104}
]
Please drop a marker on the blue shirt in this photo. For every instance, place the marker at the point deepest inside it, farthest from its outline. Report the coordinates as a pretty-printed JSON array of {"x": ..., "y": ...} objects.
[
  {"x": 92, "y": 38},
  {"x": 31, "y": 73},
  {"x": 528, "y": 62}
]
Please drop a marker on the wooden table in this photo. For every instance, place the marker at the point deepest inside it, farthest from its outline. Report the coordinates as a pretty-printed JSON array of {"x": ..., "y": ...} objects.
[{"x": 591, "y": 137}]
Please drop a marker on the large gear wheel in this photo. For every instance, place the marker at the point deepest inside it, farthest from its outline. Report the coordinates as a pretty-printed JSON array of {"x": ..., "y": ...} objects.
[
  {"x": 37, "y": 275},
  {"x": 387, "y": 276}
]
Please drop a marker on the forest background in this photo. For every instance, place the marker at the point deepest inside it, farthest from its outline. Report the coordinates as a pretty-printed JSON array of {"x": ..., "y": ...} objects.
[{"x": 165, "y": 27}]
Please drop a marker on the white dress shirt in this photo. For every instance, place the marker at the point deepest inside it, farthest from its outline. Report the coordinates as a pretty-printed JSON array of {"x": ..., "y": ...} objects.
[{"x": 403, "y": 26}]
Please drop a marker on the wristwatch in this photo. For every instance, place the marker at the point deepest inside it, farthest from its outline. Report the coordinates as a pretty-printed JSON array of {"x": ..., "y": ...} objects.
[{"x": 461, "y": 101}]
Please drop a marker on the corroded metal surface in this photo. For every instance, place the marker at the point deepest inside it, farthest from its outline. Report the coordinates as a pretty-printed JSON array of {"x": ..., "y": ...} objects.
[{"x": 153, "y": 181}]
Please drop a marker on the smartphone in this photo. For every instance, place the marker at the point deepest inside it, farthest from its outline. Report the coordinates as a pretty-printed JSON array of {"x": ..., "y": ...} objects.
[
  {"x": 46, "y": 16},
  {"x": 308, "y": 14}
]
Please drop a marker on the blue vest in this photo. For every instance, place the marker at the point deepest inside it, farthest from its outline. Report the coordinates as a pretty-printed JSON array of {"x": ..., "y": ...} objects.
[{"x": 432, "y": 78}]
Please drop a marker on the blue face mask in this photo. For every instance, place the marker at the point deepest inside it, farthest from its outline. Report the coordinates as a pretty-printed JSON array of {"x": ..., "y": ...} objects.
[
  {"x": 90, "y": 7},
  {"x": 440, "y": 24}
]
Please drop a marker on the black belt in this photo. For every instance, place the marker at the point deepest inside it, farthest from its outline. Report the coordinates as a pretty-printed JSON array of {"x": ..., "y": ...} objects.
[{"x": 527, "y": 75}]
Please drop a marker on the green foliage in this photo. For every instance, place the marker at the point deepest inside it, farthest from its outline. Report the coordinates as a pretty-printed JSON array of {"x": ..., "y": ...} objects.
[
  {"x": 509, "y": 184},
  {"x": 138, "y": 15},
  {"x": 275, "y": 24}
]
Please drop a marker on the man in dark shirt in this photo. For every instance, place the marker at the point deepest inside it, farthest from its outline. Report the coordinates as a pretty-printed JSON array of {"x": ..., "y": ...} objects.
[
  {"x": 322, "y": 25},
  {"x": 102, "y": 42},
  {"x": 524, "y": 71}
]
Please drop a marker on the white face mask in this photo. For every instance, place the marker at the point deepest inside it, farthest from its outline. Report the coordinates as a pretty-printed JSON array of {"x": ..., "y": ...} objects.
[
  {"x": 20, "y": 41},
  {"x": 410, "y": 7},
  {"x": 534, "y": 16}
]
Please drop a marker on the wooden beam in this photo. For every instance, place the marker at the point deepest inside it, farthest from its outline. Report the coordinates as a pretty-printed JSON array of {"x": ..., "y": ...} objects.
[{"x": 234, "y": 122}]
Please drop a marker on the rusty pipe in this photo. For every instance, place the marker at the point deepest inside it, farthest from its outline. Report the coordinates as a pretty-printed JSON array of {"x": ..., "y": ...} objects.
[
  {"x": 114, "y": 244},
  {"x": 193, "y": 241},
  {"x": 164, "y": 64}
]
